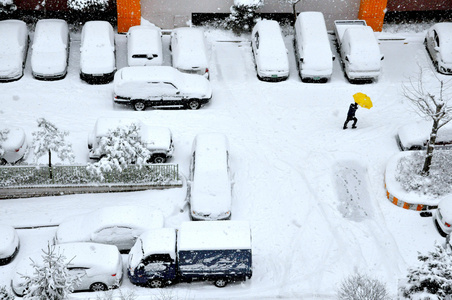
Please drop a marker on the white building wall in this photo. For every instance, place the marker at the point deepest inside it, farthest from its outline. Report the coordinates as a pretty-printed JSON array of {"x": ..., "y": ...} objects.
[{"x": 168, "y": 14}]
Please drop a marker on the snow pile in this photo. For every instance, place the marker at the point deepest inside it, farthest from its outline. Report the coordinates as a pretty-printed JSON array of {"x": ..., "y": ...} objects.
[{"x": 83, "y": 5}]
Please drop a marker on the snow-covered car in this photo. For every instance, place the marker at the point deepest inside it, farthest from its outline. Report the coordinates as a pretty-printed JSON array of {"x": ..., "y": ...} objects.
[
  {"x": 438, "y": 42},
  {"x": 270, "y": 53},
  {"x": 10, "y": 244},
  {"x": 144, "y": 46},
  {"x": 50, "y": 49},
  {"x": 113, "y": 225},
  {"x": 97, "y": 52},
  {"x": 210, "y": 186},
  {"x": 14, "y": 42},
  {"x": 15, "y": 145},
  {"x": 189, "y": 51},
  {"x": 443, "y": 216},
  {"x": 158, "y": 140},
  {"x": 415, "y": 136},
  {"x": 99, "y": 266},
  {"x": 312, "y": 47},
  {"x": 163, "y": 86}
]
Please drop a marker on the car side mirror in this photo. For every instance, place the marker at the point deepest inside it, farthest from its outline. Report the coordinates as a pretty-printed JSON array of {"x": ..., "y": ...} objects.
[
  {"x": 346, "y": 58},
  {"x": 178, "y": 92},
  {"x": 436, "y": 49},
  {"x": 140, "y": 267},
  {"x": 301, "y": 59},
  {"x": 334, "y": 57},
  {"x": 382, "y": 57}
]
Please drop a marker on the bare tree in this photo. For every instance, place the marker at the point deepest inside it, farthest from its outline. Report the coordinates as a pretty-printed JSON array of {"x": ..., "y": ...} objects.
[
  {"x": 431, "y": 101},
  {"x": 294, "y": 10}
]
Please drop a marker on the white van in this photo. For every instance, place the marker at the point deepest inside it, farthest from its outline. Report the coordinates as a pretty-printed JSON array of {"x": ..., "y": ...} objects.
[
  {"x": 144, "y": 46},
  {"x": 312, "y": 47},
  {"x": 210, "y": 186}
]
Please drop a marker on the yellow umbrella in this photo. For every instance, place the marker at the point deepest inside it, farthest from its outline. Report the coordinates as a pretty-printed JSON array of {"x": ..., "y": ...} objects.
[{"x": 363, "y": 100}]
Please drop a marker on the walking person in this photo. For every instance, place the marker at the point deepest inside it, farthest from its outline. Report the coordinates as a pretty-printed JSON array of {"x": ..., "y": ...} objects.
[{"x": 351, "y": 115}]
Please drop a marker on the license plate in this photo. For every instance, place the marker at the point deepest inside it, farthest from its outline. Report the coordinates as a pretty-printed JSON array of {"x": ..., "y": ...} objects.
[
  {"x": 274, "y": 76},
  {"x": 316, "y": 78}
]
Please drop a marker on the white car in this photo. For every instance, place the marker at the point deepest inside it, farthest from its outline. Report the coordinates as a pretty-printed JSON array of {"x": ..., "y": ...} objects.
[
  {"x": 9, "y": 245},
  {"x": 158, "y": 140},
  {"x": 14, "y": 147},
  {"x": 164, "y": 86},
  {"x": 50, "y": 49},
  {"x": 99, "y": 266},
  {"x": 144, "y": 46},
  {"x": 189, "y": 51},
  {"x": 210, "y": 184},
  {"x": 443, "y": 216},
  {"x": 415, "y": 136},
  {"x": 97, "y": 52},
  {"x": 312, "y": 47},
  {"x": 14, "y": 42},
  {"x": 114, "y": 225},
  {"x": 270, "y": 53},
  {"x": 438, "y": 42}
]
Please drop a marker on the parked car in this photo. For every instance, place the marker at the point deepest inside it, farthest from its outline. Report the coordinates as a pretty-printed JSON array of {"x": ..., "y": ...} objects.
[
  {"x": 438, "y": 42},
  {"x": 216, "y": 251},
  {"x": 158, "y": 140},
  {"x": 97, "y": 52},
  {"x": 312, "y": 47},
  {"x": 50, "y": 49},
  {"x": 99, "y": 266},
  {"x": 359, "y": 50},
  {"x": 270, "y": 53},
  {"x": 10, "y": 244},
  {"x": 113, "y": 225},
  {"x": 14, "y": 42},
  {"x": 210, "y": 185},
  {"x": 415, "y": 136},
  {"x": 15, "y": 145},
  {"x": 189, "y": 51},
  {"x": 162, "y": 86},
  {"x": 443, "y": 216},
  {"x": 144, "y": 46}
]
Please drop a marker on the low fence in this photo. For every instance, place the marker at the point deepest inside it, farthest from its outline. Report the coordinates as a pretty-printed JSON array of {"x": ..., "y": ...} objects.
[{"x": 33, "y": 181}]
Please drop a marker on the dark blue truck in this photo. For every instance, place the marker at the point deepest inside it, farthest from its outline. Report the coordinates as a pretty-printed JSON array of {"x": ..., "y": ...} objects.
[{"x": 218, "y": 251}]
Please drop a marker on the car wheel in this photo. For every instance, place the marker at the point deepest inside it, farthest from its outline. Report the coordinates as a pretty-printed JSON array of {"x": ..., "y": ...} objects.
[
  {"x": 139, "y": 105},
  {"x": 155, "y": 283},
  {"x": 193, "y": 104},
  {"x": 158, "y": 159},
  {"x": 3, "y": 161},
  {"x": 220, "y": 282},
  {"x": 98, "y": 286}
]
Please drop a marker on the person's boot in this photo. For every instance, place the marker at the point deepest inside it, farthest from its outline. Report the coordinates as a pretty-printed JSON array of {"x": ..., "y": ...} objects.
[
  {"x": 354, "y": 126},
  {"x": 345, "y": 127}
]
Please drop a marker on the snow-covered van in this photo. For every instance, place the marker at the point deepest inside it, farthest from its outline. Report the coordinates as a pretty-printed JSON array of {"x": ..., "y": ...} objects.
[
  {"x": 443, "y": 216},
  {"x": 209, "y": 189},
  {"x": 415, "y": 136},
  {"x": 160, "y": 86},
  {"x": 158, "y": 140},
  {"x": 216, "y": 251},
  {"x": 312, "y": 47},
  {"x": 144, "y": 46},
  {"x": 359, "y": 50}
]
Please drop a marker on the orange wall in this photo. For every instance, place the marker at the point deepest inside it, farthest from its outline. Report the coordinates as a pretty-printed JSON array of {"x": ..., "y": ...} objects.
[
  {"x": 373, "y": 12},
  {"x": 129, "y": 14}
]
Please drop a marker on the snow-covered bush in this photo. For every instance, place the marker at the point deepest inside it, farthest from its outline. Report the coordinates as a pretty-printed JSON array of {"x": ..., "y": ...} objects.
[
  {"x": 122, "y": 147},
  {"x": 6, "y": 294},
  {"x": 243, "y": 15},
  {"x": 7, "y": 6},
  {"x": 49, "y": 138},
  {"x": 362, "y": 287},
  {"x": 437, "y": 183},
  {"x": 432, "y": 279},
  {"x": 117, "y": 294},
  {"x": 51, "y": 279},
  {"x": 88, "y": 5}
]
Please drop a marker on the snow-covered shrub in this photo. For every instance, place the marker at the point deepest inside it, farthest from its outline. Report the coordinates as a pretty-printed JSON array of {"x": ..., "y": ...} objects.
[
  {"x": 362, "y": 287},
  {"x": 117, "y": 294},
  {"x": 7, "y": 6},
  {"x": 432, "y": 279},
  {"x": 6, "y": 294},
  {"x": 51, "y": 279},
  {"x": 122, "y": 147},
  {"x": 243, "y": 15},
  {"x": 88, "y": 5},
  {"x": 437, "y": 183}
]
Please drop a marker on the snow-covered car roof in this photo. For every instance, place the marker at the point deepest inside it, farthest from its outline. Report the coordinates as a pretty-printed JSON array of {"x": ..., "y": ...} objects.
[
  {"x": 97, "y": 50},
  {"x": 417, "y": 133},
  {"x": 15, "y": 138},
  {"x": 363, "y": 47},
  {"x": 80, "y": 228},
  {"x": 214, "y": 235},
  {"x": 50, "y": 35},
  {"x": 105, "y": 124},
  {"x": 9, "y": 240},
  {"x": 150, "y": 73},
  {"x": 190, "y": 51},
  {"x": 13, "y": 35}
]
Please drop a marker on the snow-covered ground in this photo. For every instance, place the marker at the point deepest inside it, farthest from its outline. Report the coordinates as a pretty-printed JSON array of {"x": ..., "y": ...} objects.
[{"x": 312, "y": 192}]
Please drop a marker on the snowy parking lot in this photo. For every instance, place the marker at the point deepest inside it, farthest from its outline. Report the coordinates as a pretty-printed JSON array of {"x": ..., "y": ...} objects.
[{"x": 313, "y": 193}]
